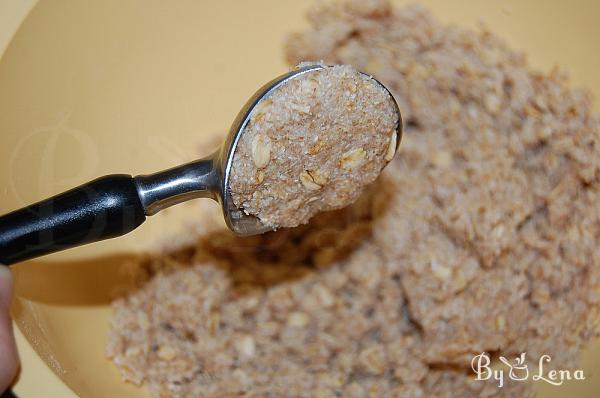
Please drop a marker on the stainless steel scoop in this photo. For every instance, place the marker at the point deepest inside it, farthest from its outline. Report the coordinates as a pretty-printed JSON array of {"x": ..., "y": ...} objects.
[{"x": 114, "y": 205}]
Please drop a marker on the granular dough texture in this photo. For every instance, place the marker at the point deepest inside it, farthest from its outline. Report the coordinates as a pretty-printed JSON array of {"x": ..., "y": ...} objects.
[
  {"x": 481, "y": 235},
  {"x": 313, "y": 145}
]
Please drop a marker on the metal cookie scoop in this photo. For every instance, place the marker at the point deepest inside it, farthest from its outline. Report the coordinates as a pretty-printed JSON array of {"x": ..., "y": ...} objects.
[{"x": 114, "y": 205}]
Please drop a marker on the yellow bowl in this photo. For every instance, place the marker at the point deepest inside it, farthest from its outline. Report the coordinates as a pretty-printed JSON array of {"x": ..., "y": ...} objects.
[{"x": 90, "y": 88}]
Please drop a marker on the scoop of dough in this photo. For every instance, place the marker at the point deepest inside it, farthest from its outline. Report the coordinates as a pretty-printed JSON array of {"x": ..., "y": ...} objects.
[{"x": 313, "y": 146}]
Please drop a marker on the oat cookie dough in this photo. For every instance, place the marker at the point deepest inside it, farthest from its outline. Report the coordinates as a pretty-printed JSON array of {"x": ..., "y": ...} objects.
[
  {"x": 313, "y": 146},
  {"x": 482, "y": 236}
]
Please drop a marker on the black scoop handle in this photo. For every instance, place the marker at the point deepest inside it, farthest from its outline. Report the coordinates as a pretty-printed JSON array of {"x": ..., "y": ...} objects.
[{"x": 101, "y": 209}]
